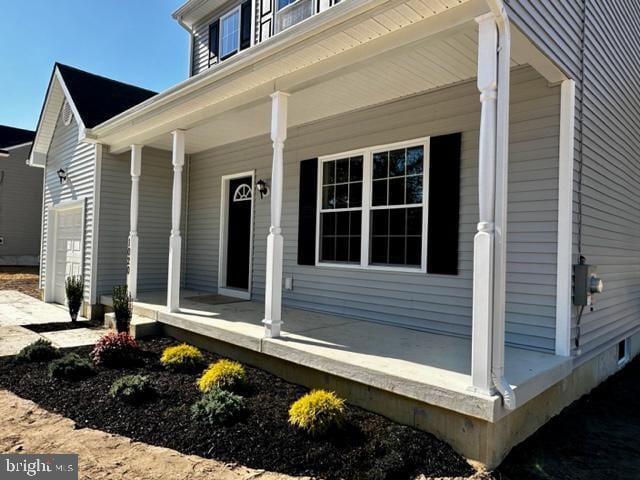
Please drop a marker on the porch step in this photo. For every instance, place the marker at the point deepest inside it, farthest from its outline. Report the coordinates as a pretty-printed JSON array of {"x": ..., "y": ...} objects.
[{"x": 140, "y": 326}]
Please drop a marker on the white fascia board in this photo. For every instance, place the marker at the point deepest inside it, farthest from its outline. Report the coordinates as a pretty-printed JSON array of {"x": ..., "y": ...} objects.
[
  {"x": 314, "y": 25},
  {"x": 4, "y": 154},
  {"x": 37, "y": 159},
  {"x": 13, "y": 147}
]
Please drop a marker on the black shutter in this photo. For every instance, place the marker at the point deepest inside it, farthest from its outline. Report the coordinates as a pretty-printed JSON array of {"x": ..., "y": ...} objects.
[
  {"x": 245, "y": 25},
  {"x": 307, "y": 212},
  {"x": 214, "y": 39},
  {"x": 444, "y": 204}
]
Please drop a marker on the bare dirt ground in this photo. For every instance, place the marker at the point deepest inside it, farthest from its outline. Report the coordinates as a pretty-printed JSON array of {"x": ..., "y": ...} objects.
[
  {"x": 22, "y": 279},
  {"x": 25, "y": 427}
]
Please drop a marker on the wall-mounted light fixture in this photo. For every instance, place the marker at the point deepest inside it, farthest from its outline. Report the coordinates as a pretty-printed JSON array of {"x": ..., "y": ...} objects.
[
  {"x": 262, "y": 187},
  {"x": 62, "y": 175}
]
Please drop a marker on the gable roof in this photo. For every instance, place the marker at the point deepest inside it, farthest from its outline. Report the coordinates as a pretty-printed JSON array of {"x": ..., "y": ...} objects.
[
  {"x": 93, "y": 99},
  {"x": 99, "y": 98},
  {"x": 11, "y": 136}
]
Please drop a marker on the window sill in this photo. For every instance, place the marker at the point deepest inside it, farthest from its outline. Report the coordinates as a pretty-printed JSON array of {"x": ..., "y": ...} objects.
[{"x": 374, "y": 268}]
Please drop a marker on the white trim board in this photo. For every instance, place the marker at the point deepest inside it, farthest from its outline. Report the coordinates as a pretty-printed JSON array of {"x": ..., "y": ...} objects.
[
  {"x": 565, "y": 218},
  {"x": 222, "y": 245}
]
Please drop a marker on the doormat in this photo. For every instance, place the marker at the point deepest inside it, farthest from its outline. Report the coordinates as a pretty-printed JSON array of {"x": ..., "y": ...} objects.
[{"x": 214, "y": 299}]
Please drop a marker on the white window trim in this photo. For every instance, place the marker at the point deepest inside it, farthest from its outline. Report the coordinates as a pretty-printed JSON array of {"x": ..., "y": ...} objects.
[
  {"x": 221, "y": 20},
  {"x": 367, "y": 178}
]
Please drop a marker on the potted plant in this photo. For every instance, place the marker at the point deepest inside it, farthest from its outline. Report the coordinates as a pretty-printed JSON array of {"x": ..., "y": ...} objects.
[
  {"x": 74, "y": 288},
  {"x": 122, "y": 307}
]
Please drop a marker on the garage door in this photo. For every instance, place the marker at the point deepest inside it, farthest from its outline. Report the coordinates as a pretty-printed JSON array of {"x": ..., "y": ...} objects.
[{"x": 68, "y": 244}]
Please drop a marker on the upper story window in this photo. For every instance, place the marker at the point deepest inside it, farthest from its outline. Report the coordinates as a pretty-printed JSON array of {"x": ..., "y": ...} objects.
[{"x": 230, "y": 33}]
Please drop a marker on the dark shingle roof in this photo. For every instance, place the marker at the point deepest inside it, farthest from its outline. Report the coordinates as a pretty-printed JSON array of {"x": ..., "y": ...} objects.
[
  {"x": 99, "y": 98},
  {"x": 10, "y": 136}
]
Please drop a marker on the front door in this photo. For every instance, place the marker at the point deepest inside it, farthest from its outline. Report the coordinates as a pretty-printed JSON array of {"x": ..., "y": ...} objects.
[
  {"x": 68, "y": 250},
  {"x": 238, "y": 241}
]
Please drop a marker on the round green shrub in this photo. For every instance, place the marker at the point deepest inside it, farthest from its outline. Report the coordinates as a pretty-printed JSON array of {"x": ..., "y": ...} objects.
[
  {"x": 71, "y": 367},
  {"x": 218, "y": 406},
  {"x": 133, "y": 389},
  {"x": 39, "y": 351}
]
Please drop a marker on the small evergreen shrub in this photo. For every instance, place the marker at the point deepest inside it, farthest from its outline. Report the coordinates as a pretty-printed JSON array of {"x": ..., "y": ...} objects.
[
  {"x": 218, "y": 406},
  {"x": 70, "y": 367},
  {"x": 317, "y": 412},
  {"x": 122, "y": 308},
  {"x": 115, "y": 350},
  {"x": 39, "y": 351},
  {"x": 74, "y": 289},
  {"x": 181, "y": 358},
  {"x": 133, "y": 389},
  {"x": 224, "y": 374}
]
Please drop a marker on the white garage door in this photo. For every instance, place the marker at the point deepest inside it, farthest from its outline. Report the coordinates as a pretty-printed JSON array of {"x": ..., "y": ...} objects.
[{"x": 68, "y": 245}]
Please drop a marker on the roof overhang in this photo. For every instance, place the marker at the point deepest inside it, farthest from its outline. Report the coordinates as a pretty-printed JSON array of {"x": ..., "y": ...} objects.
[
  {"x": 345, "y": 41},
  {"x": 194, "y": 10},
  {"x": 57, "y": 93},
  {"x": 4, "y": 153}
]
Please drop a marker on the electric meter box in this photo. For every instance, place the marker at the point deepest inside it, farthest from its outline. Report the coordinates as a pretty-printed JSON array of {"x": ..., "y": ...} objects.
[{"x": 586, "y": 282}]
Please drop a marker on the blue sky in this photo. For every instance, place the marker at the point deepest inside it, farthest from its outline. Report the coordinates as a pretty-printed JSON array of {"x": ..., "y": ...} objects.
[{"x": 134, "y": 41}]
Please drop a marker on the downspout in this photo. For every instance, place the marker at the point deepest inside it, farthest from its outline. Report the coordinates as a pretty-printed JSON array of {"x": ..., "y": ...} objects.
[{"x": 501, "y": 184}]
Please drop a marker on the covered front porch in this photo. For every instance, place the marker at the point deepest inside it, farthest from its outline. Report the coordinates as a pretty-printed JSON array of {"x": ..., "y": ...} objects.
[
  {"x": 326, "y": 97},
  {"x": 429, "y": 368}
]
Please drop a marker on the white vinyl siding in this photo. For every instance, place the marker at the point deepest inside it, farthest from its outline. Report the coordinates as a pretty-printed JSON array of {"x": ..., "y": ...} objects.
[
  {"x": 611, "y": 133},
  {"x": 78, "y": 160},
  {"x": 436, "y": 303}
]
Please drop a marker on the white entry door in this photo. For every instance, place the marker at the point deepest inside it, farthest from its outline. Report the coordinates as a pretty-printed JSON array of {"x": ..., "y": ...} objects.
[{"x": 68, "y": 249}]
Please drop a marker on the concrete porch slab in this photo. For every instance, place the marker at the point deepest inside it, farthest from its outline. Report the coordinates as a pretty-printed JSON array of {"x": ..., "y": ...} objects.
[{"x": 422, "y": 366}]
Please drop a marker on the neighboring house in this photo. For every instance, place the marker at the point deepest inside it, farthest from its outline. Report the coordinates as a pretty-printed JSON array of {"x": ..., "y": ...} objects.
[
  {"x": 20, "y": 199},
  {"x": 348, "y": 161},
  {"x": 73, "y": 174}
]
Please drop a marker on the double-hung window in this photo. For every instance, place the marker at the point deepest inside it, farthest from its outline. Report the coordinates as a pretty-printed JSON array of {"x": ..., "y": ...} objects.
[
  {"x": 230, "y": 33},
  {"x": 372, "y": 207}
]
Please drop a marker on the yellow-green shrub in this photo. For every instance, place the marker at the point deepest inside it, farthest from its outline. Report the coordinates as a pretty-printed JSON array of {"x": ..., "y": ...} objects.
[
  {"x": 317, "y": 412},
  {"x": 181, "y": 357},
  {"x": 224, "y": 374}
]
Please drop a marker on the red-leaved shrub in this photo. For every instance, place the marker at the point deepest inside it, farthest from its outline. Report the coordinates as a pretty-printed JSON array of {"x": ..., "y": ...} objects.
[{"x": 115, "y": 350}]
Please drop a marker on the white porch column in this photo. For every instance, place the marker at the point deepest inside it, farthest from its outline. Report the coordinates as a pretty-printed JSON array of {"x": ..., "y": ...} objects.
[
  {"x": 273, "y": 291},
  {"x": 175, "y": 241},
  {"x": 483, "y": 245},
  {"x": 132, "y": 266}
]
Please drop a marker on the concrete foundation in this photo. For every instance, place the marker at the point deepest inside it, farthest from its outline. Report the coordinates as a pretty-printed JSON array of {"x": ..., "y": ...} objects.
[{"x": 478, "y": 440}]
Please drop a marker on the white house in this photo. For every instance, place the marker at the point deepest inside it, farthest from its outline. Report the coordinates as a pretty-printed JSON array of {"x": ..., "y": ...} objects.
[
  {"x": 20, "y": 199},
  {"x": 386, "y": 198}
]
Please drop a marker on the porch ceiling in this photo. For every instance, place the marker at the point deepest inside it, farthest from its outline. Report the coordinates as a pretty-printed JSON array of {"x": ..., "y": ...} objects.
[{"x": 389, "y": 52}]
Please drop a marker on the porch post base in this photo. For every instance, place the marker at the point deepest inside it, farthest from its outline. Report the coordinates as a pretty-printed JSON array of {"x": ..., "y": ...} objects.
[
  {"x": 132, "y": 267},
  {"x": 482, "y": 318},
  {"x": 273, "y": 291},
  {"x": 173, "y": 286},
  {"x": 272, "y": 328}
]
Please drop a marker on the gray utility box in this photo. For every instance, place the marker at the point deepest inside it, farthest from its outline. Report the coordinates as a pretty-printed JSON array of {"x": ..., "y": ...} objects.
[{"x": 585, "y": 283}]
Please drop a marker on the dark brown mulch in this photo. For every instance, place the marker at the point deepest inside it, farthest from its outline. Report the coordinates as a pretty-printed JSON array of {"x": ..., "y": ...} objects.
[
  {"x": 22, "y": 279},
  {"x": 370, "y": 447},
  {"x": 60, "y": 326},
  {"x": 596, "y": 437}
]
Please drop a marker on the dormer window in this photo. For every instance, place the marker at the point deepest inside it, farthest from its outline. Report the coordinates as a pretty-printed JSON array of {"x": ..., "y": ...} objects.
[{"x": 230, "y": 33}]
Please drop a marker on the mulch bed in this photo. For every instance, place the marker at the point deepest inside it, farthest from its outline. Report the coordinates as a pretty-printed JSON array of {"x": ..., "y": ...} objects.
[
  {"x": 61, "y": 326},
  {"x": 370, "y": 447},
  {"x": 22, "y": 279}
]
